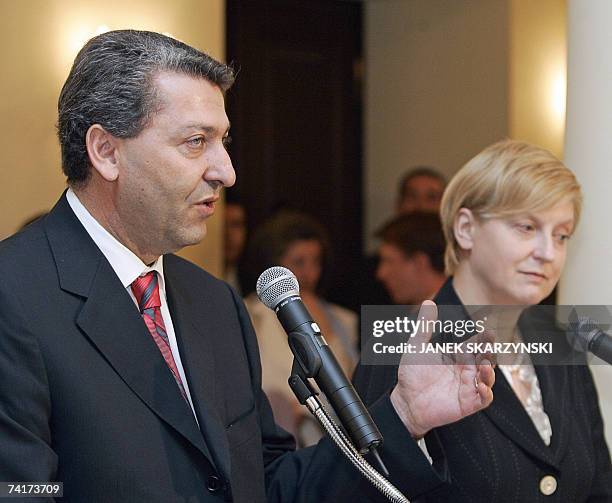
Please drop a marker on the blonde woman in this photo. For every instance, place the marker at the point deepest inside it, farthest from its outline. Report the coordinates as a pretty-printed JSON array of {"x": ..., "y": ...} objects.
[{"x": 507, "y": 216}]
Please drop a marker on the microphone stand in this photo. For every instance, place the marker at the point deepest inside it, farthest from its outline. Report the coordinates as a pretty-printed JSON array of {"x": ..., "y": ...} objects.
[{"x": 307, "y": 396}]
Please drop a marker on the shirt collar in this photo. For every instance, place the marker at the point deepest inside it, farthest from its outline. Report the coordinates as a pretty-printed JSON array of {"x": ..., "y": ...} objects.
[{"x": 124, "y": 262}]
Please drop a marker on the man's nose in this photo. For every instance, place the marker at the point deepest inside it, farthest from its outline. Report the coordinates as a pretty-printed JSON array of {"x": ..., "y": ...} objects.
[
  {"x": 222, "y": 171},
  {"x": 228, "y": 175}
]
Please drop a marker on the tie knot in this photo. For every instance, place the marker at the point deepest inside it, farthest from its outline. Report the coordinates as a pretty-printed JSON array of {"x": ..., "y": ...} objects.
[{"x": 146, "y": 291}]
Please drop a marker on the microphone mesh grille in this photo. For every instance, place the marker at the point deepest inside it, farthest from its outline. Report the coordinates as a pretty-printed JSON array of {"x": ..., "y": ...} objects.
[
  {"x": 586, "y": 330},
  {"x": 580, "y": 332},
  {"x": 276, "y": 284},
  {"x": 586, "y": 325}
]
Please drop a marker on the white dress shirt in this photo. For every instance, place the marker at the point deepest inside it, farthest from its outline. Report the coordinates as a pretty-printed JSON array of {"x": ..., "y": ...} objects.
[{"x": 128, "y": 267}]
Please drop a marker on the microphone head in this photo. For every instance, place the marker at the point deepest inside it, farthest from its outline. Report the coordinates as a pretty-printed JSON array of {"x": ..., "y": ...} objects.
[
  {"x": 581, "y": 332},
  {"x": 275, "y": 285}
]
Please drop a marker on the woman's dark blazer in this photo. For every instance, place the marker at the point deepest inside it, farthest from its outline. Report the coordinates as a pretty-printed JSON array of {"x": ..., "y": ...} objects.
[{"x": 497, "y": 454}]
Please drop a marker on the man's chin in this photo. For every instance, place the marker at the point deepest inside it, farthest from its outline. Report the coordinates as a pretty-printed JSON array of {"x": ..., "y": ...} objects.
[{"x": 192, "y": 237}]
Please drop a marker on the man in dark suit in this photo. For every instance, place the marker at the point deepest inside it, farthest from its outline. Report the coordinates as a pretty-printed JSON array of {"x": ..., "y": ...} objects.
[{"x": 129, "y": 374}]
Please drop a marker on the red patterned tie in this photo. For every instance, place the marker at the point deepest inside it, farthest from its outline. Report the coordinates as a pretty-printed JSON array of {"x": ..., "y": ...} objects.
[{"x": 146, "y": 290}]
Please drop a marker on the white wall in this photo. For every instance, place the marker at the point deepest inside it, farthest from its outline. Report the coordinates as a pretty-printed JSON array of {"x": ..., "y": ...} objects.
[{"x": 436, "y": 89}]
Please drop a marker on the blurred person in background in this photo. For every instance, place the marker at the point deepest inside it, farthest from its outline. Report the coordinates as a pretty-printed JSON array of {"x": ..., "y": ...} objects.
[
  {"x": 298, "y": 242},
  {"x": 420, "y": 189},
  {"x": 411, "y": 257}
]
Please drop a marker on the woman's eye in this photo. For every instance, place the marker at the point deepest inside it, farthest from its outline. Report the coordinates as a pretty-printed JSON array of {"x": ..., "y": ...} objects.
[
  {"x": 562, "y": 238},
  {"x": 526, "y": 227}
]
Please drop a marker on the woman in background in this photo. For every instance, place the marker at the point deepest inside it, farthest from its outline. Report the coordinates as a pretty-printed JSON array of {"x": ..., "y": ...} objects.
[
  {"x": 507, "y": 216},
  {"x": 296, "y": 241}
]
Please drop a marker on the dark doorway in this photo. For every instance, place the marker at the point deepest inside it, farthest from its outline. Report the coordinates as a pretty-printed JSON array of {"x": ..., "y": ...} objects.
[{"x": 296, "y": 119}]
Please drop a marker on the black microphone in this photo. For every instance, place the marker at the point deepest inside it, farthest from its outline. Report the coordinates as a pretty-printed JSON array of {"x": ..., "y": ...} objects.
[
  {"x": 278, "y": 288},
  {"x": 589, "y": 337}
]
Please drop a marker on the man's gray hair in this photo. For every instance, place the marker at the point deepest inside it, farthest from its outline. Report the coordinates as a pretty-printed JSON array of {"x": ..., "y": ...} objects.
[{"x": 111, "y": 84}]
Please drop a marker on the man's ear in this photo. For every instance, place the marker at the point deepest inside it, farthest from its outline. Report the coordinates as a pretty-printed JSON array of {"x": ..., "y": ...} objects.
[
  {"x": 101, "y": 147},
  {"x": 464, "y": 228}
]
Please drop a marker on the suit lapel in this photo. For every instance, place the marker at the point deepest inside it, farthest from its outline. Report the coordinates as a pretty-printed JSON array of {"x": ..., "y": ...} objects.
[
  {"x": 554, "y": 386},
  {"x": 509, "y": 415},
  {"x": 110, "y": 320},
  {"x": 506, "y": 411},
  {"x": 539, "y": 324},
  {"x": 186, "y": 306}
]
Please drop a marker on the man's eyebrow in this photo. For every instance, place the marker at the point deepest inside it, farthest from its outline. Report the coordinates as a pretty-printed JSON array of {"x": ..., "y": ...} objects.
[{"x": 203, "y": 127}]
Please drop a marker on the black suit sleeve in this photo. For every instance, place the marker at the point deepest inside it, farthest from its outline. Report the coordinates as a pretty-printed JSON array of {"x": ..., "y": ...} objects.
[
  {"x": 25, "y": 404},
  {"x": 601, "y": 490},
  {"x": 320, "y": 473}
]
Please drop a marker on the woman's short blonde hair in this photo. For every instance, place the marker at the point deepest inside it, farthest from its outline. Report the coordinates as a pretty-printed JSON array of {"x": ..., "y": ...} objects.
[{"x": 505, "y": 179}]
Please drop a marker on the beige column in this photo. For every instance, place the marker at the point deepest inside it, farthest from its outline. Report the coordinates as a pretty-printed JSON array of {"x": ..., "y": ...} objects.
[
  {"x": 537, "y": 36},
  {"x": 588, "y": 151}
]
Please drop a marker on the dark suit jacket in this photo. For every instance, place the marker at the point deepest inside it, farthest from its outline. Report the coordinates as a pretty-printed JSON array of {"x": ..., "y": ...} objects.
[
  {"x": 87, "y": 399},
  {"x": 497, "y": 455}
]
